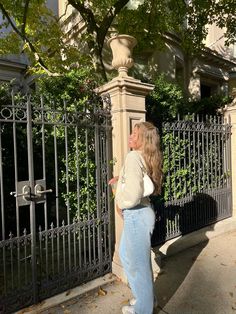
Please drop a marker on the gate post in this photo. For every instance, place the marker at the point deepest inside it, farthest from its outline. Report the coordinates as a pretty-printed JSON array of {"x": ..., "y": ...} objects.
[
  {"x": 127, "y": 108},
  {"x": 230, "y": 115}
]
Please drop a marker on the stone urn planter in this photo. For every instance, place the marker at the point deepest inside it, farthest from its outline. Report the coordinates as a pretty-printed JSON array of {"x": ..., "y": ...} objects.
[{"x": 122, "y": 48}]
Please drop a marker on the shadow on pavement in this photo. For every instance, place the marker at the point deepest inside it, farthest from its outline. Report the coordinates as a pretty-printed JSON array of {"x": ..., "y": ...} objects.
[{"x": 175, "y": 267}]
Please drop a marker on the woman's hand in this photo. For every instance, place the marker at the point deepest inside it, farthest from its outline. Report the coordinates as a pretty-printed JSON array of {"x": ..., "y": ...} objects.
[
  {"x": 119, "y": 211},
  {"x": 113, "y": 180}
]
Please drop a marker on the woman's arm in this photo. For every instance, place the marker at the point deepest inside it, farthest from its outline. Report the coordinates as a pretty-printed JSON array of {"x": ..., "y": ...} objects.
[{"x": 131, "y": 193}]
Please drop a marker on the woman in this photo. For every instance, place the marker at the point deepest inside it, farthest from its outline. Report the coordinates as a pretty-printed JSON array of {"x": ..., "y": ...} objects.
[{"x": 138, "y": 215}]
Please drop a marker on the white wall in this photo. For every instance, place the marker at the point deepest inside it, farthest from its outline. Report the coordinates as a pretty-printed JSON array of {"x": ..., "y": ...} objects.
[{"x": 216, "y": 41}]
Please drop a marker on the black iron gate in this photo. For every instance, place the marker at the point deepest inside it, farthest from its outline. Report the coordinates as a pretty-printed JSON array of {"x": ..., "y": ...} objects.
[
  {"x": 197, "y": 182},
  {"x": 55, "y": 203}
]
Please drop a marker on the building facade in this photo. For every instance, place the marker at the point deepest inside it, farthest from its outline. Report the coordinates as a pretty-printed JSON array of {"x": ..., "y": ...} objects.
[
  {"x": 211, "y": 72},
  {"x": 13, "y": 68}
]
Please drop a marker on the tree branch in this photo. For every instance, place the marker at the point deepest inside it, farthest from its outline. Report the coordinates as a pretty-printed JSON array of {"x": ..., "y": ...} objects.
[
  {"x": 25, "y": 39},
  {"x": 86, "y": 14},
  {"x": 109, "y": 17},
  {"x": 93, "y": 28},
  {"x": 25, "y": 17}
]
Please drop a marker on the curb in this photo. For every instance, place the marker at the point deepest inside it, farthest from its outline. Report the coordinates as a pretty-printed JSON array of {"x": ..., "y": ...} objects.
[{"x": 68, "y": 295}]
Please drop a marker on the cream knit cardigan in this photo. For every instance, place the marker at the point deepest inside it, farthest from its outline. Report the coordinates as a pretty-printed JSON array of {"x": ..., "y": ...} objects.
[{"x": 129, "y": 194}]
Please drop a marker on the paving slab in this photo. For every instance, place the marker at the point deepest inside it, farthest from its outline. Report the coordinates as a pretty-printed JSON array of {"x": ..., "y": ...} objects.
[
  {"x": 198, "y": 280},
  {"x": 106, "y": 299},
  {"x": 201, "y": 279}
]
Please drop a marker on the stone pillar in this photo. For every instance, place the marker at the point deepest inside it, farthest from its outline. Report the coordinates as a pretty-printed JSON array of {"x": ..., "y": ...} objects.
[
  {"x": 230, "y": 116},
  {"x": 127, "y": 108}
]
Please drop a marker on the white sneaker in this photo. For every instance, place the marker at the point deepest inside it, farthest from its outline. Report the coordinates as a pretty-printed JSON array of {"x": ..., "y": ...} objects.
[
  {"x": 128, "y": 309},
  {"x": 133, "y": 301}
]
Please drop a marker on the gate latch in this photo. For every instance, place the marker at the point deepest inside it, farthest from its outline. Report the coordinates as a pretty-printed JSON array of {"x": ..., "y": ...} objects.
[
  {"x": 26, "y": 196},
  {"x": 39, "y": 190},
  {"x": 25, "y": 193}
]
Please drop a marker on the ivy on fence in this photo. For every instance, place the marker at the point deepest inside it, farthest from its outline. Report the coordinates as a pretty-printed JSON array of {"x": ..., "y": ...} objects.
[{"x": 195, "y": 156}]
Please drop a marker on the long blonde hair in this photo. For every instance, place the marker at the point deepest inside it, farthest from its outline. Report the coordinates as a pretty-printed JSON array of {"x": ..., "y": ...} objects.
[{"x": 151, "y": 153}]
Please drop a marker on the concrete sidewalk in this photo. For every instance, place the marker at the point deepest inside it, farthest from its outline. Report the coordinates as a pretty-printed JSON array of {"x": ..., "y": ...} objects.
[{"x": 198, "y": 280}]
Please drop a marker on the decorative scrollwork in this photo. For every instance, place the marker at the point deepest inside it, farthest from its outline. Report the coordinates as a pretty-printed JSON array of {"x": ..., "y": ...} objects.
[
  {"x": 6, "y": 113},
  {"x": 13, "y": 113},
  {"x": 21, "y": 114},
  {"x": 12, "y": 242},
  {"x": 106, "y": 98},
  {"x": 187, "y": 126}
]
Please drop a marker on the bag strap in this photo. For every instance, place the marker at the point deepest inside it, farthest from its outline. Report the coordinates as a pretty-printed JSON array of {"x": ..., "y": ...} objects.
[{"x": 142, "y": 163}]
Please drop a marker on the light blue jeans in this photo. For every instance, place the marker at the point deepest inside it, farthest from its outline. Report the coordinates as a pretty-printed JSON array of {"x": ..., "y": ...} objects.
[{"x": 135, "y": 255}]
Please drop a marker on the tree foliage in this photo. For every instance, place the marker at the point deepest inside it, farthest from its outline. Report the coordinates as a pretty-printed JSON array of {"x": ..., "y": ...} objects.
[
  {"x": 167, "y": 101},
  {"x": 187, "y": 140},
  {"x": 70, "y": 94},
  {"x": 29, "y": 27},
  {"x": 37, "y": 32},
  {"x": 76, "y": 91}
]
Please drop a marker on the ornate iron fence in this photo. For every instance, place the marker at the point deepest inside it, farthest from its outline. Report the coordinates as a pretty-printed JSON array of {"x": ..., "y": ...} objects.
[
  {"x": 56, "y": 217},
  {"x": 197, "y": 183}
]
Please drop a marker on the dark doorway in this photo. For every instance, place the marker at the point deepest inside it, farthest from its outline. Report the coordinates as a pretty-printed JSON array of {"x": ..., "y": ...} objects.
[{"x": 206, "y": 91}]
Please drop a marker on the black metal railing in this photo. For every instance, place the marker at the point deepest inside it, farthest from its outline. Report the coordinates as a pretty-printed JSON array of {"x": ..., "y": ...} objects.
[
  {"x": 56, "y": 206},
  {"x": 197, "y": 182}
]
